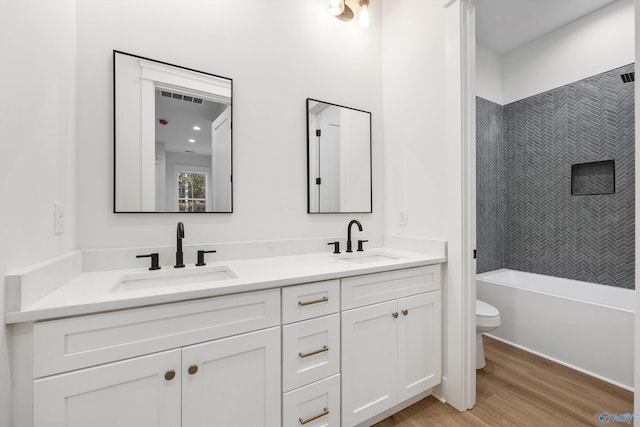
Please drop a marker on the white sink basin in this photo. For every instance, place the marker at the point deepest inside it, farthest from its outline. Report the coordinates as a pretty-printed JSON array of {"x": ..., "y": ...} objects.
[
  {"x": 159, "y": 279},
  {"x": 366, "y": 258}
]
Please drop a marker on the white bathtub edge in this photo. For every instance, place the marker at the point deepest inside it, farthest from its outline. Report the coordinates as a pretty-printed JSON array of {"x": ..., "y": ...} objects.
[
  {"x": 536, "y": 291},
  {"x": 560, "y": 362}
]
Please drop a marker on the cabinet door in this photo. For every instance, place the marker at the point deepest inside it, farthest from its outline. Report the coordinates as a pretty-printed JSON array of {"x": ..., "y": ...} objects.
[
  {"x": 233, "y": 381},
  {"x": 137, "y": 392},
  {"x": 369, "y": 360},
  {"x": 419, "y": 330}
]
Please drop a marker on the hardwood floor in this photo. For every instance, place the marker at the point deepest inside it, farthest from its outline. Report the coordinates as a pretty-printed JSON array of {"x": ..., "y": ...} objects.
[{"x": 517, "y": 388}]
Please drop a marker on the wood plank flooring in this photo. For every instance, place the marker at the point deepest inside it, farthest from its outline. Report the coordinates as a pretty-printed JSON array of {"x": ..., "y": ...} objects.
[{"x": 517, "y": 388}]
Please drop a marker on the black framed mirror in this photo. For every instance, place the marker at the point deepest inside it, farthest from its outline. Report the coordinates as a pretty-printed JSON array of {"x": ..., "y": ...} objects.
[
  {"x": 172, "y": 138},
  {"x": 339, "y": 176}
]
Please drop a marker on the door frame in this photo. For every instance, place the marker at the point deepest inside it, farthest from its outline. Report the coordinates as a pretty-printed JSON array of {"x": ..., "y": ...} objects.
[{"x": 459, "y": 386}]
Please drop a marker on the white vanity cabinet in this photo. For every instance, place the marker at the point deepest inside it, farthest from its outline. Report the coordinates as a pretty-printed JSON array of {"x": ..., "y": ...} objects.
[
  {"x": 225, "y": 380},
  {"x": 390, "y": 350},
  {"x": 338, "y": 352}
]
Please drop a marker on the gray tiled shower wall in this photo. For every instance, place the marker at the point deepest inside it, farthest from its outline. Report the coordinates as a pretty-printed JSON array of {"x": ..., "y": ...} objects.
[{"x": 527, "y": 218}]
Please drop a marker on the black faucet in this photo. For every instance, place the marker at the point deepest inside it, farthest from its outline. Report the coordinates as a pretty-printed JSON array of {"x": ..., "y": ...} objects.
[
  {"x": 179, "y": 254},
  {"x": 356, "y": 222}
]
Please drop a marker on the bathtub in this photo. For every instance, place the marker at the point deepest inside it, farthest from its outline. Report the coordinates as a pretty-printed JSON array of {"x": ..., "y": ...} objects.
[{"x": 584, "y": 326}]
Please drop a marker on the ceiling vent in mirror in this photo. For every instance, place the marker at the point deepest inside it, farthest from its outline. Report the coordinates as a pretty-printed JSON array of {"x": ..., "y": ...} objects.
[
  {"x": 186, "y": 98},
  {"x": 628, "y": 77}
]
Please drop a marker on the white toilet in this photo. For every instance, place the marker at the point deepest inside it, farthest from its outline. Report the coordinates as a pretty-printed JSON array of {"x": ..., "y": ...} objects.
[{"x": 487, "y": 319}]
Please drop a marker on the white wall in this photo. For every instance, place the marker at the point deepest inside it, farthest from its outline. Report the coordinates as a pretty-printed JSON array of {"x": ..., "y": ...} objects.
[
  {"x": 598, "y": 42},
  {"x": 414, "y": 96},
  {"x": 37, "y": 153},
  {"x": 489, "y": 74},
  {"x": 278, "y": 53}
]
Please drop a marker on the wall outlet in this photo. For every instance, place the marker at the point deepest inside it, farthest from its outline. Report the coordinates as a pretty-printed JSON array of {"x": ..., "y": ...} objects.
[
  {"x": 58, "y": 218},
  {"x": 404, "y": 217}
]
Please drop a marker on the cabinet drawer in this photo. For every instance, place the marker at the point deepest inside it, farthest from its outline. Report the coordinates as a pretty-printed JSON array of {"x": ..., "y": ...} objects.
[
  {"x": 374, "y": 288},
  {"x": 315, "y": 405},
  {"x": 310, "y": 351},
  {"x": 310, "y": 300},
  {"x": 68, "y": 344}
]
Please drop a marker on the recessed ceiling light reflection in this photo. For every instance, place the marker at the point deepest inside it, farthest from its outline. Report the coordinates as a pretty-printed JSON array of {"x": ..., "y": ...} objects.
[
  {"x": 192, "y": 141},
  {"x": 196, "y": 128}
]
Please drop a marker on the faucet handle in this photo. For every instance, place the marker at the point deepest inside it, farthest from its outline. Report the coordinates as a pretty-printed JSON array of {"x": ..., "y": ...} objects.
[
  {"x": 201, "y": 253},
  {"x": 360, "y": 242},
  {"x": 336, "y": 247},
  {"x": 155, "y": 265}
]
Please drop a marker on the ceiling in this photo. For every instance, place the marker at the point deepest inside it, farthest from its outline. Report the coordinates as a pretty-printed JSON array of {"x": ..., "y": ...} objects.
[
  {"x": 182, "y": 116},
  {"x": 504, "y": 25}
]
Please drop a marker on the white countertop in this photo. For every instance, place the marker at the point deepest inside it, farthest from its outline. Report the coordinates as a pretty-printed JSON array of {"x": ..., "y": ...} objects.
[{"x": 92, "y": 292}]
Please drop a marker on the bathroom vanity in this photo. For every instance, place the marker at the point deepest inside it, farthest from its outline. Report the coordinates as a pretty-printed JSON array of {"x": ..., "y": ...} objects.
[{"x": 308, "y": 340}]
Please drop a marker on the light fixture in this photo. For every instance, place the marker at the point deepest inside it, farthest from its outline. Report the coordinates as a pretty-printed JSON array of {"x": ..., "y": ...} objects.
[
  {"x": 196, "y": 128},
  {"x": 336, "y": 7},
  {"x": 364, "y": 16},
  {"x": 192, "y": 141},
  {"x": 342, "y": 11}
]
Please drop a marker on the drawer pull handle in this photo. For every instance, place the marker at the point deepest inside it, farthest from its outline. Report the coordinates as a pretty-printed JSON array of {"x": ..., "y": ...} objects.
[
  {"x": 317, "y": 301},
  {"x": 169, "y": 375},
  {"x": 405, "y": 312},
  {"x": 322, "y": 350},
  {"x": 395, "y": 314},
  {"x": 324, "y": 412},
  {"x": 192, "y": 369}
]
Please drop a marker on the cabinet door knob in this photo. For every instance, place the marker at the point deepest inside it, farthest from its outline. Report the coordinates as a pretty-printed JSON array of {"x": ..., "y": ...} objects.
[
  {"x": 405, "y": 312},
  {"x": 395, "y": 314},
  {"x": 169, "y": 375},
  {"x": 192, "y": 369}
]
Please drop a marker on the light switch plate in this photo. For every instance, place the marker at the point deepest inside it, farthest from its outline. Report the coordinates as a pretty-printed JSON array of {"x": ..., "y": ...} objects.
[
  {"x": 58, "y": 218},
  {"x": 404, "y": 217}
]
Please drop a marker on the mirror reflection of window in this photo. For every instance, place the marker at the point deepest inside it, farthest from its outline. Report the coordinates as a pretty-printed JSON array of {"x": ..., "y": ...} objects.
[{"x": 192, "y": 191}]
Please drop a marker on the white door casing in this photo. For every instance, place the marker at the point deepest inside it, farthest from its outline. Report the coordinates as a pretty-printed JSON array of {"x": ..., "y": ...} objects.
[{"x": 221, "y": 161}]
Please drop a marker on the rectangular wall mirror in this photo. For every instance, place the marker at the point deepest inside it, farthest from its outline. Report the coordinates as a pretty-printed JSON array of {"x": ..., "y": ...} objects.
[
  {"x": 172, "y": 138},
  {"x": 338, "y": 159}
]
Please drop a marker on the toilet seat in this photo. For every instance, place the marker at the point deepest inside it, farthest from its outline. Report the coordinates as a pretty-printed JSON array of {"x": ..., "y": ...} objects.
[{"x": 487, "y": 316}]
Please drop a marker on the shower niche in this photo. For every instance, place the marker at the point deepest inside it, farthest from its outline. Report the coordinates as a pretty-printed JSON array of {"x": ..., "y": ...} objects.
[{"x": 595, "y": 178}]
